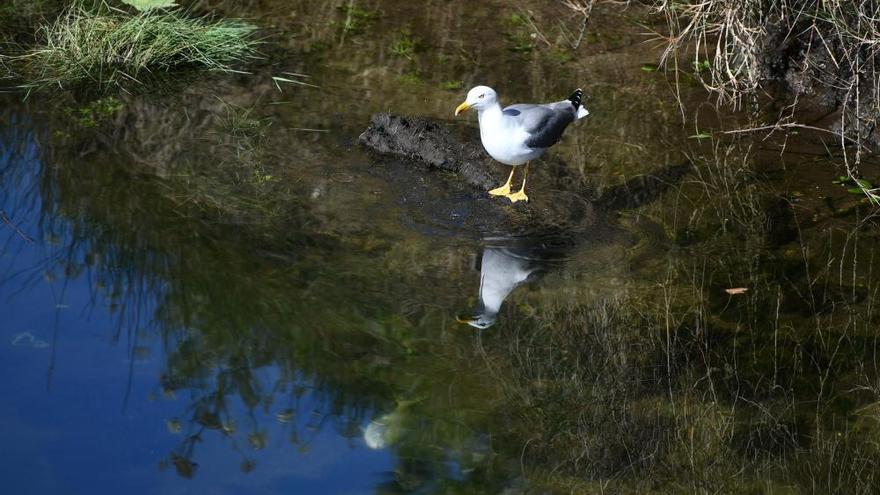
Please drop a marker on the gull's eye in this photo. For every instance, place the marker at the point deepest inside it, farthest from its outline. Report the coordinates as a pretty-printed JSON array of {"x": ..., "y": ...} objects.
[{"x": 482, "y": 95}]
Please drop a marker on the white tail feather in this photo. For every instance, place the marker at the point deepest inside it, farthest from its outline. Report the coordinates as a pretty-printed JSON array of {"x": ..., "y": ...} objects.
[{"x": 582, "y": 112}]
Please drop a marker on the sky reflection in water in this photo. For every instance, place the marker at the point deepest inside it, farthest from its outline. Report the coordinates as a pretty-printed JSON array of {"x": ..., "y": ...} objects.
[{"x": 84, "y": 409}]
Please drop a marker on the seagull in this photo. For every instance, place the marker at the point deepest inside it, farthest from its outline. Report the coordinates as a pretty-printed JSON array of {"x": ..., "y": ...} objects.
[
  {"x": 502, "y": 269},
  {"x": 517, "y": 134},
  {"x": 505, "y": 263}
]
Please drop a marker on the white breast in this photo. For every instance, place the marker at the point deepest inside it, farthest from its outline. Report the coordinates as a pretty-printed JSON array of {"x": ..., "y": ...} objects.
[
  {"x": 500, "y": 273},
  {"x": 504, "y": 143}
]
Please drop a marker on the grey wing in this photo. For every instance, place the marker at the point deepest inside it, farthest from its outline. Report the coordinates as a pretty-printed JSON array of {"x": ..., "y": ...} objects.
[{"x": 544, "y": 123}]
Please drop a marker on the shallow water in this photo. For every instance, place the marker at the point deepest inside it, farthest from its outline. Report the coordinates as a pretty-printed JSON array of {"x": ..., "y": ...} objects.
[{"x": 215, "y": 289}]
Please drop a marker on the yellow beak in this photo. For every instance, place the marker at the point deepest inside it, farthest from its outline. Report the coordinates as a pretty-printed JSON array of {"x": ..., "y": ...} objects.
[
  {"x": 462, "y": 319},
  {"x": 464, "y": 107}
]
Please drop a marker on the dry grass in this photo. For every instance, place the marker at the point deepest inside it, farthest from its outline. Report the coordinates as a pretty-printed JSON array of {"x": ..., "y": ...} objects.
[{"x": 824, "y": 53}]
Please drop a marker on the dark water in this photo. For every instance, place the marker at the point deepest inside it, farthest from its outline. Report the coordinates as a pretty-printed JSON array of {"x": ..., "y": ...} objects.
[{"x": 216, "y": 290}]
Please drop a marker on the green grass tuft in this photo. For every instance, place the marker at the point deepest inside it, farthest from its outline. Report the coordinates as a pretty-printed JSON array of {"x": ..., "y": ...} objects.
[
  {"x": 357, "y": 18},
  {"x": 404, "y": 45},
  {"x": 107, "y": 48},
  {"x": 453, "y": 85}
]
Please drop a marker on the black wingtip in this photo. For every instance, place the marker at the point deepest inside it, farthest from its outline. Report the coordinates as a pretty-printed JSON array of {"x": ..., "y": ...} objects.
[{"x": 575, "y": 98}]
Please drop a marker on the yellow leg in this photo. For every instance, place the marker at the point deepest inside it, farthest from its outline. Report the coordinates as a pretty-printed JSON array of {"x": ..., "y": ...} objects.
[
  {"x": 505, "y": 189},
  {"x": 521, "y": 194}
]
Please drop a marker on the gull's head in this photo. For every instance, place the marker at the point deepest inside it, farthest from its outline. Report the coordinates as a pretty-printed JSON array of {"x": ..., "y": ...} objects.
[
  {"x": 479, "y": 320},
  {"x": 478, "y": 98}
]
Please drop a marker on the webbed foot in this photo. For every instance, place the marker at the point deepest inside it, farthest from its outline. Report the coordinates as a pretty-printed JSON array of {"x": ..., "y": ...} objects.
[
  {"x": 518, "y": 196},
  {"x": 501, "y": 191}
]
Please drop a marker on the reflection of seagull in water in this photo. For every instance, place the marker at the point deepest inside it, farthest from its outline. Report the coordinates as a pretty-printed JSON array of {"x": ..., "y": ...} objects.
[{"x": 502, "y": 269}]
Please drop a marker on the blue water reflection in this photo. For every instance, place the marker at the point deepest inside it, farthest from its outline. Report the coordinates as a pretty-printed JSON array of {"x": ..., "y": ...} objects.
[{"x": 85, "y": 409}]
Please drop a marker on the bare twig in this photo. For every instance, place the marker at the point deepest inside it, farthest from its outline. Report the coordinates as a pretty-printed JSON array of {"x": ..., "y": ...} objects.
[
  {"x": 780, "y": 126},
  {"x": 8, "y": 221},
  {"x": 584, "y": 8}
]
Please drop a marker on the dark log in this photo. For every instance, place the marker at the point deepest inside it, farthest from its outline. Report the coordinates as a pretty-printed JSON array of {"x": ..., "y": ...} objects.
[{"x": 432, "y": 144}]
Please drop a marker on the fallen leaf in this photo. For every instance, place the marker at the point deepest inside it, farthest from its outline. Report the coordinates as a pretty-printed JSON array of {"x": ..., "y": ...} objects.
[{"x": 736, "y": 290}]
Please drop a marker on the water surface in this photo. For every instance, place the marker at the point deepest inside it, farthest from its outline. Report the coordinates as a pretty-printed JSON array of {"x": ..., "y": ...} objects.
[{"x": 215, "y": 289}]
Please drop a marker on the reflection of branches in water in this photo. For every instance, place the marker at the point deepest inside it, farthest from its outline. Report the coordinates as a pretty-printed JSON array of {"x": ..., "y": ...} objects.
[
  {"x": 212, "y": 411},
  {"x": 8, "y": 222},
  {"x": 18, "y": 156},
  {"x": 169, "y": 274},
  {"x": 63, "y": 246}
]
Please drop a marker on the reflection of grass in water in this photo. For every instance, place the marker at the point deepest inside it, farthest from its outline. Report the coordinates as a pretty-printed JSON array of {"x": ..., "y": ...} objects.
[
  {"x": 410, "y": 78},
  {"x": 605, "y": 390},
  {"x": 103, "y": 48},
  {"x": 357, "y": 18},
  {"x": 95, "y": 112},
  {"x": 19, "y": 14},
  {"x": 588, "y": 379},
  {"x": 404, "y": 45},
  {"x": 676, "y": 386},
  {"x": 241, "y": 179}
]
